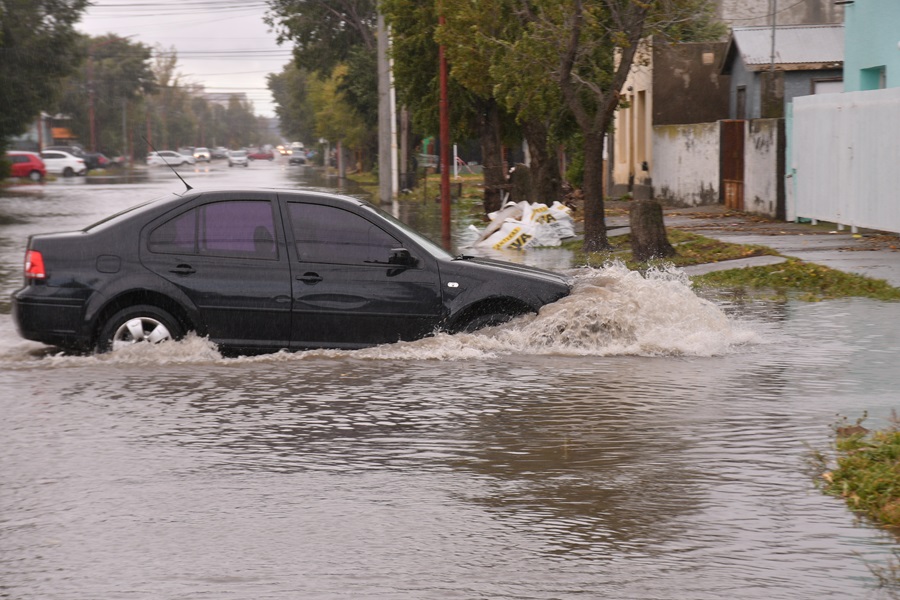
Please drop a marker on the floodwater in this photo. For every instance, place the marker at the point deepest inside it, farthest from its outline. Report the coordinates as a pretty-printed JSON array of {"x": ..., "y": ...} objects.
[{"x": 633, "y": 441}]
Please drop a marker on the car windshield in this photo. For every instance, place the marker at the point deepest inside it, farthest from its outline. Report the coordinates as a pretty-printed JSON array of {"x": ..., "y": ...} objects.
[
  {"x": 238, "y": 153},
  {"x": 431, "y": 247}
]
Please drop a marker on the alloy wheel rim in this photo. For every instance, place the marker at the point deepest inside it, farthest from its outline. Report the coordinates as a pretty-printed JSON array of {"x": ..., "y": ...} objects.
[{"x": 140, "y": 330}]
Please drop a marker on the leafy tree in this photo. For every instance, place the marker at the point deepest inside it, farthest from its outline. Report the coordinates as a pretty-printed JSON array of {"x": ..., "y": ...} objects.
[
  {"x": 489, "y": 27},
  {"x": 473, "y": 112},
  {"x": 38, "y": 47},
  {"x": 117, "y": 72},
  {"x": 324, "y": 32},
  {"x": 292, "y": 105},
  {"x": 335, "y": 120},
  {"x": 336, "y": 41},
  {"x": 583, "y": 51}
]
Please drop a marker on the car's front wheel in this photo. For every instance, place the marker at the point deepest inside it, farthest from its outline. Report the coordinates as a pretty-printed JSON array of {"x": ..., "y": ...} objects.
[
  {"x": 68, "y": 172},
  {"x": 485, "y": 320},
  {"x": 137, "y": 324}
]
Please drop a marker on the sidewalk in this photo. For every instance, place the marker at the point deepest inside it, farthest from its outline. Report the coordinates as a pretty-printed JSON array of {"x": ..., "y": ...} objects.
[{"x": 870, "y": 253}]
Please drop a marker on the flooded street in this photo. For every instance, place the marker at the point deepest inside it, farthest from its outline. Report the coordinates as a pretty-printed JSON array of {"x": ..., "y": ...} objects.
[{"x": 633, "y": 441}]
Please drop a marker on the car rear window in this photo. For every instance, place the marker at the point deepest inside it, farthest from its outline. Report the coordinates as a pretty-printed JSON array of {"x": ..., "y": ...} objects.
[{"x": 232, "y": 229}]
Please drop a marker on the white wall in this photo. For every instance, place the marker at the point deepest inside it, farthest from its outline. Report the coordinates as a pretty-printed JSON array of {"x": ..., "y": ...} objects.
[
  {"x": 761, "y": 171},
  {"x": 845, "y": 159},
  {"x": 686, "y": 164}
]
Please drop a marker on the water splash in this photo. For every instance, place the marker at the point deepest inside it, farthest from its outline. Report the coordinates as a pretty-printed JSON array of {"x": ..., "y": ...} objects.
[{"x": 611, "y": 311}]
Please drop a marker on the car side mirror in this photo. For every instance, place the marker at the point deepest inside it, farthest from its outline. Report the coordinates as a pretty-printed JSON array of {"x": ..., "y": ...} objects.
[{"x": 402, "y": 258}]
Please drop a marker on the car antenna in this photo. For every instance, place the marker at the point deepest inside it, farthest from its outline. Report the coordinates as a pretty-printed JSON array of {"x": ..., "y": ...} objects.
[{"x": 189, "y": 188}]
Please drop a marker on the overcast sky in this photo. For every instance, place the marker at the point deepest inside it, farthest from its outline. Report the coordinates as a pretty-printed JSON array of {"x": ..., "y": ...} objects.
[{"x": 222, "y": 44}]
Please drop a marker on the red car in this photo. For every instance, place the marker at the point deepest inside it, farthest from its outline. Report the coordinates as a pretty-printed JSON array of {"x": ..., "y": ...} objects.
[
  {"x": 26, "y": 164},
  {"x": 261, "y": 155}
]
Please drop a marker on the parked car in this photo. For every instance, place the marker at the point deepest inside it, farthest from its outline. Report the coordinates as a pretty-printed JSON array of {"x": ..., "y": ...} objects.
[
  {"x": 26, "y": 164},
  {"x": 63, "y": 163},
  {"x": 260, "y": 271},
  {"x": 219, "y": 152},
  {"x": 201, "y": 153},
  {"x": 169, "y": 157},
  {"x": 238, "y": 157},
  {"x": 261, "y": 155},
  {"x": 92, "y": 160}
]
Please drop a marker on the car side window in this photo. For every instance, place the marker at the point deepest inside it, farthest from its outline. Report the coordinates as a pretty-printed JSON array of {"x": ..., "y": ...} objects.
[
  {"x": 326, "y": 234},
  {"x": 232, "y": 229}
]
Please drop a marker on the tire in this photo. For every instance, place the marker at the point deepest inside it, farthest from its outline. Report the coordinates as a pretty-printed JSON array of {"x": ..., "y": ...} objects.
[
  {"x": 485, "y": 320},
  {"x": 68, "y": 172},
  {"x": 137, "y": 324},
  {"x": 35, "y": 176}
]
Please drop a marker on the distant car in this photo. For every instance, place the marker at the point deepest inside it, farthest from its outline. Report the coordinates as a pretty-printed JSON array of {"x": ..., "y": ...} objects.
[
  {"x": 297, "y": 158},
  {"x": 169, "y": 157},
  {"x": 219, "y": 152},
  {"x": 92, "y": 160},
  {"x": 202, "y": 153},
  {"x": 63, "y": 163},
  {"x": 261, "y": 155},
  {"x": 282, "y": 150},
  {"x": 259, "y": 271},
  {"x": 238, "y": 157},
  {"x": 26, "y": 164}
]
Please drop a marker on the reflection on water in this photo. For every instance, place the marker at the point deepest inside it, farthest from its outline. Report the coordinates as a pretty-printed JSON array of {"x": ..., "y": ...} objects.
[{"x": 510, "y": 475}]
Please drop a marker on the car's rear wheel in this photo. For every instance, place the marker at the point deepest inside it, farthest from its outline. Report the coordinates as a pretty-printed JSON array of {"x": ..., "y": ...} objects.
[
  {"x": 34, "y": 176},
  {"x": 68, "y": 172},
  {"x": 142, "y": 323}
]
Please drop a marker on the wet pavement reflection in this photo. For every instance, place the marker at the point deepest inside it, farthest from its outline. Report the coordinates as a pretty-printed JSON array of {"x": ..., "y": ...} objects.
[{"x": 622, "y": 464}]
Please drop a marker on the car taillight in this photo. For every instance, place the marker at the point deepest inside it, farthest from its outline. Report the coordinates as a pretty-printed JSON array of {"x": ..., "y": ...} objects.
[{"x": 34, "y": 265}]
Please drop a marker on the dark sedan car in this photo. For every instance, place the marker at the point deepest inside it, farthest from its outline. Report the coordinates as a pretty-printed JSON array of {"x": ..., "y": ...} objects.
[{"x": 259, "y": 271}]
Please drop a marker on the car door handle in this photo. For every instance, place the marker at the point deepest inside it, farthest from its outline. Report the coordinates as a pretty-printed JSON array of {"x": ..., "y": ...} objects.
[
  {"x": 183, "y": 270},
  {"x": 310, "y": 278}
]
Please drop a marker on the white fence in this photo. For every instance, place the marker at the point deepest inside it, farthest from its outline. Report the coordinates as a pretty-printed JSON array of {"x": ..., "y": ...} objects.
[{"x": 845, "y": 159}]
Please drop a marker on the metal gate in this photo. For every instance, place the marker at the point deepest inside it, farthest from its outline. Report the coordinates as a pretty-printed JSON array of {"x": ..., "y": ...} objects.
[{"x": 732, "y": 159}]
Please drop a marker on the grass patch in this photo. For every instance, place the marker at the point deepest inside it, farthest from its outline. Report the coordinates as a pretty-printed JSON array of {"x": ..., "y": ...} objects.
[
  {"x": 866, "y": 474},
  {"x": 692, "y": 249},
  {"x": 806, "y": 281},
  {"x": 794, "y": 278},
  {"x": 867, "y": 471}
]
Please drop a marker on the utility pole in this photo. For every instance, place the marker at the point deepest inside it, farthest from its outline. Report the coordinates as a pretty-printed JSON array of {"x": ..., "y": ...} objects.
[
  {"x": 386, "y": 145},
  {"x": 445, "y": 147}
]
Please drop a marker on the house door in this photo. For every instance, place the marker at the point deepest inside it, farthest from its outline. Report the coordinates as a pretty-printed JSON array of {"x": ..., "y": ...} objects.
[{"x": 732, "y": 167}]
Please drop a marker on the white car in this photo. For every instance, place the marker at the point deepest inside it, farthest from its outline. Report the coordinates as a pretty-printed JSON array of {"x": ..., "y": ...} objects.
[
  {"x": 168, "y": 157},
  {"x": 63, "y": 163},
  {"x": 201, "y": 153},
  {"x": 238, "y": 157}
]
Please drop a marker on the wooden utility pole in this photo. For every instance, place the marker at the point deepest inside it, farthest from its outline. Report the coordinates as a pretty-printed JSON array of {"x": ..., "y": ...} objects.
[
  {"x": 386, "y": 128},
  {"x": 445, "y": 148}
]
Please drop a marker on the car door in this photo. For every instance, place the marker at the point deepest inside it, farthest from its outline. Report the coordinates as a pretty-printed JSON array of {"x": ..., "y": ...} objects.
[
  {"x": 351, "y": 287},
  {"x": 226, "y": 253}
]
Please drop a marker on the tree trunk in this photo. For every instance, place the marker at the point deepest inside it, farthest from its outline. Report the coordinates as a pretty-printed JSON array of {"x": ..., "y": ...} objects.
[
  {"x": 545, "y": 174},
  {"x": 492, "y": 157},
  {"x": 595, "y": 239},
  {"x": 522, "y": 185},
  {"x": 648, "y": 232}
]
